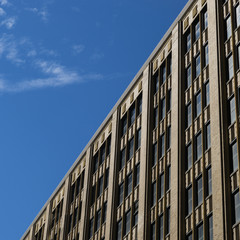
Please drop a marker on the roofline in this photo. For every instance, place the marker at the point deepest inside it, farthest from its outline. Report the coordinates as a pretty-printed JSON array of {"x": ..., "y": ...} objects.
[{"x": 107, "y": 119}]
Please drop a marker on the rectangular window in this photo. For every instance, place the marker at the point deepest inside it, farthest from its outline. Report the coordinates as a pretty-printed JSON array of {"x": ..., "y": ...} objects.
[
  {"x": 232, "y": 111},
  {"x": 189, "y": 156},
  {"x": 206, "y": 59},
  {"x": 208, "y": 136},
  {"x": 156, "y": 82},
  {"x": 75, "y": 217},
  {"x": 205, "y": 20},
  {"x": 91, "y": 228},
  {"x": 119, "y": 230},
  {"x": 168, "y": 221},
  {"x": 228, "y": 28},
  {"x": 138, "y": 140},
  {"x": 209, "y": 181},
  {"x": 169, "y": 102},
  {"x": 127, "y": 222},
  {"x": 199, "y": 191},
  {"x": 135, "y": 214},
  {"x": 188, "y": 42},
  {"x": 197, "y": 31},
  {"x": 200, "y": 232},
  {"x": 154, "y": 154},
  {"x": 161, "y": 227},
  {"x": 102, "y": 154},
  {"x": 238, "y": 15},
  {"x": 154, "y": 192},
  {"x": 238, "y": 51},
  {"x": 189, "y": 77},
  {"x": 162, "y": 145},
  {"x": 169, "y": 137},
  {"x": 189, "y": 115},
  {"x": 237, "y": 207},
  {"x": 121, "y": 188},
  {"x": 207, "y": 95},
  {"x": 108, "y": 145},
  {"x": 163, "y": 73},
  {"x": 129, "y": 184},
  {"x": 132, "y": 114},
  {"x": 210, "y": 228},
  {"x": 130, "y": 148},
  {"x": 189, "y": 200},
  {"x": 155, "y": 120},
  {"x": 95, "y": 163},
  {"x": 169, "y": 65},
  {"x": 234, "y": 157},
  {"x": 198, "y": 66},
  {"x": 106, "y": 178},
  {"x": 153, "y": 231},
  {"x": 189, "y": 236},
  {"x": 230, "y": 67},
  {"x": 137, "y": 174},
  {"x": 139, "y": 105},
  {"x": 70, "y": 224},
  {"x": 163, "y": 108},
  {"x": 100, "y": 186},
  {"x": 198, "y": 104},
  {"x": 161, "y": 190},
  {"x": 124, "y": 125},
  {"x": 98, "y": 220},
  {"x": 104, "y": 216},
  {"x": 199, "y": 147},
  {"x": 168, "y": 186},
  {"x": 122, "y": 158}
]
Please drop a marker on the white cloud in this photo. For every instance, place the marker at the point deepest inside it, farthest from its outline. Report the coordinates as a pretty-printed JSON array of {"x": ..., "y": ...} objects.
[
  {"x": 9, "y": 22},
  {"x": 96, "y": 56},
  {"x": 4, "y": 2},
  {"x": 2, "y": 12},
  {"x": 43, "y": 13},
  {"x": 78, "y": 48},
  {"x": 32, "y": 53}
]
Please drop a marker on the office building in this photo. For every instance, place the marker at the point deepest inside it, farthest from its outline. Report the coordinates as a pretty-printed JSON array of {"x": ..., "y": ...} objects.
[{"x": 164, "y": 164}]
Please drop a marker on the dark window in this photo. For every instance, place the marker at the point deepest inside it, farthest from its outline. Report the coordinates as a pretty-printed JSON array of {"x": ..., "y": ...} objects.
[
  {"x": 198, "y": 66},
  {"x": 78, "y": 186},
  {"x": 169, "y": 65},
  {"x": 232, "y": 111},
  {"x": 154, "y": 192},
  {"x": 130, "y": 149},
  {"x": 132, "y": 114},
  {"x": 127, "y": 222},
  {"x": 95, "y": 163},
  {"x": 197, "y": 31},
  {"x": 208, "y": 136},
  {"x": 228, "y": 28},
  {"x": 155, "y": 120},
  {"x": 189, "y": 77},
  {"x": 137, "y": 174},
  {"x": 108, "y": 145},
  {"x": 135, "y": 214},
  {"x": 169, "y": 100},
  {"x": 72, "y": 192},
  {"x": 161, "y": 227},
  {"x": 153, "y": 231},
  {"x": 207, "y": 95},
  {"x": 161, "y": 190},
  {"x": 205, "y": 20},
  {"x": 156, "y": 82},
  {"x": 93, "y": 193},
  {"x": 199, "y": 146},
  {"x": 210, "y": 228},
  {"x": 168, "y": 186},
  {"x": 70, "y": 224},
  {"x": 98, "y": 220},
  {"x": 122, "y": 158},
  {"x": 188, "y": 42},
  {"x": 139, "y": 105},
  {"x": 162, "y": 145},
  {"x": 189, "y": 115},
  {"x": 104, "y": 213},
  {"x": 169, "y": 137},
  {"x": 237, "y": 207},
  {"x": 103, "y": 154},
  {"x": 200, "y": 232},
  {"x": 198, "y": 104},
  {"x": 238, "y": 51},
  {"x": 168, "y": 221},
  {"x": 206, "y": 59},
  {"x": 121, "y": 188},
  {"x": 53, "y": 219},
  {"x": 124, "y": 125},
  {"x": 189, "y": 200},
  {"x": 119, "y": 230},
  {"x": 189, "y": 236},
  {"x": 199, "y": 190},
  {"x": 91, "y": 228},
  {"x": 189, "y": 156},
  {"x": 106, "y": 179},
  {"x": 138, "y": 139},
  {"x": 75, "y": 217},
  {"x": 230, "y": 67},
  {"x": 154, "y": 154},
  {"x": 163, "y": 108},
  {"x": 163, "y": 73},
  {"x": 209, "y": 181},
  {"x": 234, "y": 157},
  {"x": 129, "y": 184},
  {"x": 100, "y": 186}
]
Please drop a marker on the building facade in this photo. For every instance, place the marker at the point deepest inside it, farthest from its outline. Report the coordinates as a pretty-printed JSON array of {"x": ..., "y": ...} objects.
[{"x": 164, "y": 164}]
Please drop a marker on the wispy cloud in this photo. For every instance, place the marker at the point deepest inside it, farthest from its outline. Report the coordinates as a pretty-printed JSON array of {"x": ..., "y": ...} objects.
[
  {"x": 2, "y": 12},
  {"x": 96, "y": 56},
  {"x": 4, "y": 2},
  {"x": 78, "y": 48},
  {"x": 9, "y": 23},
  {"x": 43, "y": 12}
]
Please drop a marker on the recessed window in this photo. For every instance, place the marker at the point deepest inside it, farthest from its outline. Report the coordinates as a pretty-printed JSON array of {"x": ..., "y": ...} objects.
[
  {"x": 122, "y": 158},
  {"x": 91, "y": 228},
  {"x": 132, "y": 114},
  {"x": 124, "y": 125},
  {"x": 169, "y": 102},
  {"x": 232, "y": 110},
  {"x": 130, "y": 148},
  {"x": 168, "y": 221},
  {"x": 169, "y": 137},
  {"x": 200, "y": 232},
  {"x": 120, "y": 200},
  {"x": 161, "y": 190},
  {"x": 234, "y": 157},
  {"x": 237, "y": 207},
  {"x": 155, "y": 117},
  {"x": 238, "y": 55},
  {"x": 139, "y": 105},
  {"x": 205, "y": 20},
  {"x": 198, "y": 104},
  {"x": 208, "y": 136},
  {"x": 119, "y": 230},
  {"x": 163, "y": 73},
  {"x": 189, "y": 115},
  {"x": 209, "y": 181},
  {"x": 102, "y": 154},
  {"x": 100, "y": 186},
  {"x": 154, "y": 192},
  {"x": 127, "y": 222},
  {"x": 168, "y": 185},
  {"x": 98, "y": 220},
  {"x": 206, "y": 58},
  {"x": 230, "y": 67},
  {"x": 198, "y": 66},
  {"x": 161, "y": 227},
  {"x": 129, "y": 184},
  {"x": 189, "y": 236},
  {"x": 189, "y": 77},
  {"x": 154, "y": 161},
  {"x": 199, "y": 191},
  {"x": 189, "y": 156},
  {"x": 238, "y": 15},
  {"x": 199, "y": 146},
  {"x": 106, "y": 179},
  {"x": 163, "y": 108},
  {"x": 138, "y": 139},
  {"x": 189, "y": 200},
  {"x": 228, "y": 28},
  {"x": 210, "y": 228},
  {"x": 162, "y": 145},
  {"x": 156, "y": 82},
  {"x": 188, "y": 42},
  {"x": 207, "y": 94},
  {"x": 153, "y": 231},
  {"x": 135, "y": 214},
  {"x": 95, "y": 163},
  {"x": 137, "y": 174},
  {"x": 104, "y": 213},
  {"x": 197, "y": 31}
]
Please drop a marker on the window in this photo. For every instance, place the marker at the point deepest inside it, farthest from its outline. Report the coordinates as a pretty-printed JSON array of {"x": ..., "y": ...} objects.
[
  {"x": 232, "y": 111},
  {"x": 120, "y": 200},
  {"x": 154, "y": 154},
  {"x": 162, "y": 145},
  {"x": 237, "y": 207},
  {"x": 238, "y": 15},
  {"x": 155, "y": 120},
  {"x": 189, "y": 236},
  {"x": 75, "y": 217},
  {"x": 70, "y": 224},
  {"x": 95, "y": 164},
  {"x": 102, "y": 155},
  {"x": 169, "y": 102},
  {"x": 93, "y": 193},
  {"x": 199, "y": 191},
  {"x": 132, "y": 115},
  {"x": 129, "y": 184},
  {"x": 206, "y": 59},
  {"x": 198, "y": 104},
  {"x": 199, "y": 146},
  {"x": 200, "y": 232},
  {"x": 189, "y": 115},
  {"x": 189, "y": 156},
  {"x": 156, "y": 82},
  {"x": 198, "y": 66},
  {"x": 108, "y": 145},
  {"x": 168, "y": 221},
  {"x": 197, "y": 31},
  {"x": 104, "y": 213},
  {"x": 161, "y": 227},
  {"x": 189, "y": 200},
  {"x": 137, "y": 173},
  {"x": 168, "y": 186},
  {"x": 119, "y": 230},
  {"x": 230, "y": 67},
  {"x": 153, "y": 231},
  {"x": 78, "y": 186},
  {"x": 208, "y": 136},
  {"x": 139, "y": 105},
  {"x": 169, "y": 137},
  {"x": 106, "y": 178},
  {"x": 228, "y": 28},
  {"x": 122, "y": 158},
  {"x": 188, "y": 42},
  {"x": 205, "y": 20},
  {"x": 135, "y": 214},
  {"x": 234, "y": 157},
  {"x": 154, "y": 192},
  {"x": 100, "y": 186},
  {"x": 189, "y": 77},
  {"x": 161, "y": 190},
  {"x": 130, "y": 149},
  {"x": 209, "y": 181},
  {"x": 169, "y": 65},
  {"x": 238, "y": 51},
  {"x": 163, "y": 106},
  {"x": 138, "y": 140},
  {"x": 98, "y": 220},
  {"x": 207, "y": 95},
  {"x": 124, "y": 125},
  {"x": 210, "y": 228},
  {"x": 127, "y": 222},
  {"x": 163, "y": 73},
  {"x": 72, "y": 192},
  {"x": 91, "y": 228}
]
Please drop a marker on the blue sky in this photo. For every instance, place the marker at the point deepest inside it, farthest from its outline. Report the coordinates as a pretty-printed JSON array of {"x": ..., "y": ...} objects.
[{"x": 63, "y": 66}]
